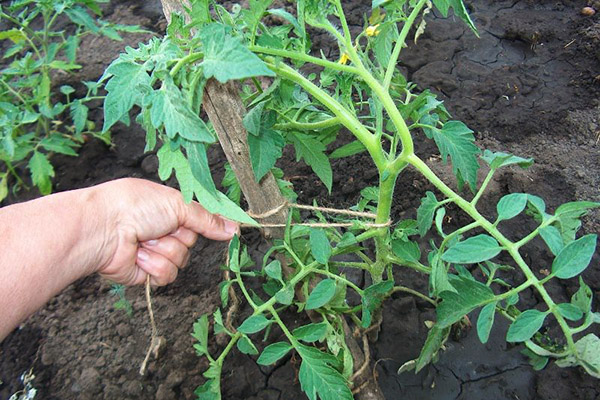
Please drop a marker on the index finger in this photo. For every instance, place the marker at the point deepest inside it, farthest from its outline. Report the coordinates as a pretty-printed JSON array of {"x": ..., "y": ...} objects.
[{"x": 211, "y": 226}]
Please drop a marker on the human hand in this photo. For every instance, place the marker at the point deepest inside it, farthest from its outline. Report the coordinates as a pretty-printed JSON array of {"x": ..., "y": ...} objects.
[{"x": 149, "y": 230}]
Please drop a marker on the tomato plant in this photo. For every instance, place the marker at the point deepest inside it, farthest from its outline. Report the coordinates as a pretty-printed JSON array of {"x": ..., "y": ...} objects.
[
  {"x": 364, "y": 92},
  {"x": 32, "y": 116}
]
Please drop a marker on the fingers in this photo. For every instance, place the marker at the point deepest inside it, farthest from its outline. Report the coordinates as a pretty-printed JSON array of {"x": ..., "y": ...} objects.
[
  {"x": 209, "y": 225},
  {"x": 185, "y": 236},
  {"x": 161, "y": 270},
  {"x": 170, "y": 248}
]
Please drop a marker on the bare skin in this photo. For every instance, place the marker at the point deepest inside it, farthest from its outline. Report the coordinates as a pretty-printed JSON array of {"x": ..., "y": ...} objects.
[{"x": 124, "y": 230}]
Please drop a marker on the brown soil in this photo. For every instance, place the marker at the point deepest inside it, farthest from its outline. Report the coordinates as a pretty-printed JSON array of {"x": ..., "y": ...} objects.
[{"x": 530, "y": 85}]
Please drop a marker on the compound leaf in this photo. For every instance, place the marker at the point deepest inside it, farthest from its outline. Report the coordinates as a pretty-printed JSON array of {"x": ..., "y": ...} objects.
[
  {"x": 485, "y": 321},
  {"x": 226, "y": 58},
  {"x": 313, "y": 153},
  {"x": 472, "y": 250},
  {"x": 169, "y": 108},
  {"x": 265, "y": 149},
  {"x": 254, "y": 323},
  {"x": 469, "y": 295},
  {"x": 41, "y": 172},
  {"x": 525, "y": 326},
  {"x": 511, "y": 205},
  {"x": 372, "y": 298},
  {"x": 425, "y": 212},
  {"x": 311, "y": 332},
  {"x": 200, "y": 333},
  {"x": 570, "y": 311},
  {"x": 320, "y": 247},
  {"x": 321, "y": 294},
  {"x": 273, "y": 352},
  {"x": 574, "y": 257},
  {"x": 553, "y": 238},
  {"x": 456, "y": 140},
  {"x": 499, "y": 159},
  {"x": 433, "y": 343},
  {"x": 318, "y": 376},
  {"x": 123, "y": 90},
  {"x": 246, "y": 346}
]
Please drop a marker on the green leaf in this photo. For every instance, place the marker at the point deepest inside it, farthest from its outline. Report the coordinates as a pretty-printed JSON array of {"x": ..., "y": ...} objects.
[
  {"x": 252, "y": 120},
  {"x": 200, "y": 333},
  {"x": 273, "y": 353},
  {"x": 79, "y": 114},
  {"x": 583, "y": 297},
  {"x": 406, "y": 250},
  {"x": 318, "y": 376},
  {"x": 485, "y": 321},
  {"x": 469, "y": 295},
  {"x": 79, "y": 16},
  {"x": 553, "y": 238},
  {"x": 525, "y": 326},
  {"x": 433, "y": 343},
  {"x": 456, "y": 140},
  {"x": 321, "y": 294},
  {"x": 265, "y": 149},
  {"x": 320, "y": 247},
  {"x": 196, "y": 154},
  {"x": 246, "y": 346},
  {"x": 347, "y": 150},
  {"x": 311, "y": 332},
  {"x": 253, "y": 324},
  {"x": 511, "y": 205},
  {"x": 473, "y": 250},
  {"x": 59, "y": 144},
  {"x": 210, "y": 390},
  {"x": 123, "y": 90},
  {"x": 170, "y": 108},
  {"x": 3, "y": 186},
  {"x": 372, "y": 298},
  {"x": 226, "y": 58},
  {"x": 285, "y": 296},
  {"x": 536, "y": 361},
  {"x": 378, "y": 3},
  {"x": 588, "y": 350},
  {"x": 442, "y": 6},
  {"x": 570, "y": 311},
  {"x": 67, "y": 90},
  {"x": 41, "y": 172},
  {"x": 575, "y": 207},
  {"x": 280, "y": 12},
  {"x": 499, "y": 159},
  {"x": 574, "y": 257},
  {"x": 384, "y": 42},
  {"x": 15, "y": 35},
  {"x": 438, "y": 279},
  {"x": 273, "y": 269},
  {"x": 425, "y": 212},
  {"x": 461, "y": 11},
  {"x": 170, "y": 160},
  {"x": 313, "y": 153},
  {"x": 234, "y": 254}
]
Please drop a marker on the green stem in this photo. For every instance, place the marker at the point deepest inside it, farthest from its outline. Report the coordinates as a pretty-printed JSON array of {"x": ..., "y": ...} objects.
[
  {"x": 414, "y": 293},
  {"x": 417, "y": 266},
  {"x": 400, "y": 43},
  {"x": 339, "y": 278},
  {"x": 190, "y": 58},
  {"x": 308, "y": 126},
  {"x": 484, "y": 185},
  {"x": 304, "y": 57},
  {"x": 348, "y": 119},
  {"x": 509, "y": 246}
]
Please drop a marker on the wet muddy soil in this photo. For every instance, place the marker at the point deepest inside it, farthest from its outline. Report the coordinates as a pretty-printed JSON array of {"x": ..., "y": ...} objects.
[{"x": 529, "y": 85}]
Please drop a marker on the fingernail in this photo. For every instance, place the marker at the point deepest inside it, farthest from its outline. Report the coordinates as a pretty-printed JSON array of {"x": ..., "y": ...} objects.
[
  {"x": 152, "y": 242},
  {"x": 230, "y": 227},
  {"x": 142, "y": 255}
]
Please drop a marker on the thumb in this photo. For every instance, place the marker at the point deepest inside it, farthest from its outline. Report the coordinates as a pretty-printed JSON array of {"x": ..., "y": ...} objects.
[{"x": 209, "y": 225}]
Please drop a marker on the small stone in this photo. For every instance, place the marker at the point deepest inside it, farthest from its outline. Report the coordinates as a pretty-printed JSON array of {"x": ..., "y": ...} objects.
[
  {"x": 174, "y": 379},
  {"x": 165, "y": 393},
  {"x": 123, "y": 329},
  {"x": 588, "y": 11},
  {"x": 90, "y": 380}
]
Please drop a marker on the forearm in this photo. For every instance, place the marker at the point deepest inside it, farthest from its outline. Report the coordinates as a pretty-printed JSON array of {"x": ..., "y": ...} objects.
[{"x": 46, "y": 244}]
